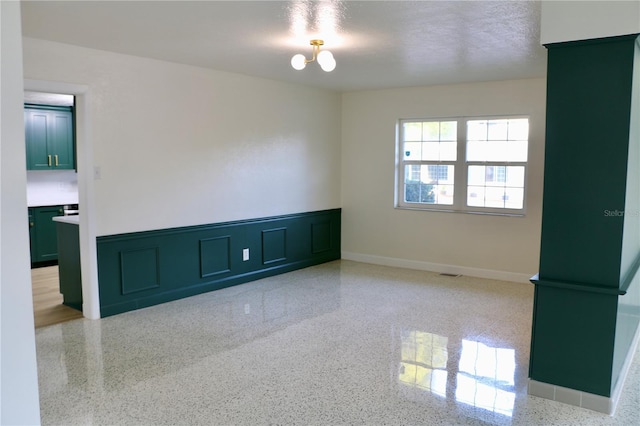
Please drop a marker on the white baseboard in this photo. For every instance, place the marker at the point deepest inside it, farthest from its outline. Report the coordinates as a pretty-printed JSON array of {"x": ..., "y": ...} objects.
[{"x": 437, "y": 267}]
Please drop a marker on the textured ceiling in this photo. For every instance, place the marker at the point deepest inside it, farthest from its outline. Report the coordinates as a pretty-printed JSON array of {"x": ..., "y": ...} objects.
[{"x": 377, "y": 44}]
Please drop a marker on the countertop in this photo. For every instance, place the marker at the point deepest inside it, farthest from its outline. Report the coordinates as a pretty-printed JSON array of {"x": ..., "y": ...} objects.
[{"x": 74, "y": 220}]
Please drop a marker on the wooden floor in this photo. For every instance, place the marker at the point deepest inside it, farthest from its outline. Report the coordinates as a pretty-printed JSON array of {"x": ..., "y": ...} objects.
[{"x": 47, "y": 300}]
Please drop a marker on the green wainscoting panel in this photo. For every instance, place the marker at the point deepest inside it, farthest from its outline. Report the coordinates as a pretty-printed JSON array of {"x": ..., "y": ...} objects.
[
  {"x": 142, "y": 269},
  {"x": 215, "y": 256},
  {"x": 139, "y": 269},
  {"x": 274, "y": 245},
  {"x": 321, "y": 236}
]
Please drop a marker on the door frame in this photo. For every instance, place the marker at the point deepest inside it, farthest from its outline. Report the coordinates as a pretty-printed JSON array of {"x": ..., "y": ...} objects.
[{"x": 86, "y": 193}]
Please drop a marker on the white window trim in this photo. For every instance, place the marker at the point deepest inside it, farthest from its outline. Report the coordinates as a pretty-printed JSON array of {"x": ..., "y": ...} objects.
[{"x": 460, "y": 170}]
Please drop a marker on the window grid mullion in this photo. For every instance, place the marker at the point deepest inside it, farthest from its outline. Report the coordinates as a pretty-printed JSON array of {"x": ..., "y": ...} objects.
[{"x": 460, "y": 173}]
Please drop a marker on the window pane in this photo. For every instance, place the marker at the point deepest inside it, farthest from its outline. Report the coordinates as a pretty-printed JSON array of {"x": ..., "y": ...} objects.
[
  {"x": 431, "y": 151},
  {"x": 475, "y": 196},
  {"x": 439, "y": 174},
  {"x": 506, "y": 140},
  {"x": 444, "y": 194},
  {"x": 519, "y": 129},
  {"x": 412, "y": 131},
  {"x": 449, "y": 131},
  {"x": 496, "y": 151},
  {"x": 476, "y": 175},
  {"x": 514, "y": 198},
  {"x": 448, "y": 151},
  {"x": 495, "y": 186},
  {"x": 411, "y": 192},
  {"x": 412, "y": 150},
  {"x": 515, "y": 176},
  {"x": 416, "y": 190},
  {"x": 497, "y": 130},
  {"x": 431, "y": 131},
  {"x": 477, "y": 130},
  {"x": 412, "y": 173},
  {"x": 518, "y": 151},
  {"x": 495, "y": 176},
  {"x": 494, "y": 197},
  {"x": 429, "y": 184}
]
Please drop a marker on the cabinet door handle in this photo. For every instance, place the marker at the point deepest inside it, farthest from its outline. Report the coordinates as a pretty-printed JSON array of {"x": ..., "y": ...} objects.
[
  {"x": 60, "y": 211},
  {"x": 56, "y": 156},
  {"x": 49, "y": 158},
  {"x": 31, "y": 224}
]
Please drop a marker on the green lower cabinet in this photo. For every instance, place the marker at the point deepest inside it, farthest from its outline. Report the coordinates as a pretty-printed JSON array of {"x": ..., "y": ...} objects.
[
  {"x": 69, "y": 264},
  {"x": 43, "y": 234},
  {"x": 32, "y": 234}
]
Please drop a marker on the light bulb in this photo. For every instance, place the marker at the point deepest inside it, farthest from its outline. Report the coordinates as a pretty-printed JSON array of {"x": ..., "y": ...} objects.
[
  {"x": 298, "y": 62},
  {"x": 326, "y": 61}
]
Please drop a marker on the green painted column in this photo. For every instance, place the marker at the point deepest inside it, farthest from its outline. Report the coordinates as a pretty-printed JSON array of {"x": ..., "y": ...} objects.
[{"x": 589, "y": 247}]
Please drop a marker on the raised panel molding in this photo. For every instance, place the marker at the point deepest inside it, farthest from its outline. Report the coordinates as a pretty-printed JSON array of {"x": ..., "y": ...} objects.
[
  {"x": 321, "y": 236},
  {"x": 274, "y": 245},
  {"x": 139, "y": 270},
  {"x": 215, "y": 256}
]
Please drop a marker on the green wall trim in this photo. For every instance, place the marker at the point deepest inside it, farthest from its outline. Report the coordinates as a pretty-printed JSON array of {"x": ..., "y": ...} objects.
[
  {"x": 141, "y": 269},
  {"x": 586, "y": 287}
]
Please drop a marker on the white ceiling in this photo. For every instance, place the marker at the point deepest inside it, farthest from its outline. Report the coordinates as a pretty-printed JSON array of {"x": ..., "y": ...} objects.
[{"x": 377, "y": 44}]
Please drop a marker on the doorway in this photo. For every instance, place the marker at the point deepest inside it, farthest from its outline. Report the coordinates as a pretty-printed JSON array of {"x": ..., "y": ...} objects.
[
  {"x": 85, "y": 184},
  {"x": 52, "y": 191}
]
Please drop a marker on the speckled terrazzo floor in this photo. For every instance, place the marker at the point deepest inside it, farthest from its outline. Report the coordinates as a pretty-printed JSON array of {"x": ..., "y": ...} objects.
[{"x": 338, "y": 343}]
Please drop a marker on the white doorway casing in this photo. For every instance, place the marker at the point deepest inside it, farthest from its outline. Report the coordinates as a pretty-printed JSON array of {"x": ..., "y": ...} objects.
[{"x": 88, "y": 250}]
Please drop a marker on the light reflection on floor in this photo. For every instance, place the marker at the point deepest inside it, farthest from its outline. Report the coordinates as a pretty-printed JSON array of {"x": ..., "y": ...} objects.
[{"x": 484, "y": 375}]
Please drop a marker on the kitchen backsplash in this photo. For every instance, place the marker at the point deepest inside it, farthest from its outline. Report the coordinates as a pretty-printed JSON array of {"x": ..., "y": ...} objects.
[{"x": 55, "y": 187}]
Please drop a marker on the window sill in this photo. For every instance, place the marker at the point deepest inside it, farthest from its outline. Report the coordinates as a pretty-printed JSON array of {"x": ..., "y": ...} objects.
[{"x": 474, "y": 212}]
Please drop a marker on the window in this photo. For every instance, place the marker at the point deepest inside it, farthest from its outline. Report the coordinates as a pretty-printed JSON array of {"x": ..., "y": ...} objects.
[{"x": 463, "y": 164}]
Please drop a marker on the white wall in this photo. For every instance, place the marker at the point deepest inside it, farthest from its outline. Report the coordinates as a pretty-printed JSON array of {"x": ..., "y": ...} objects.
[
  {"x": 582, "y": 20},
  {"x": 19, "y": 402},
  {"x": 178, "y": 145},
  {"x": 373, "y": 230}
]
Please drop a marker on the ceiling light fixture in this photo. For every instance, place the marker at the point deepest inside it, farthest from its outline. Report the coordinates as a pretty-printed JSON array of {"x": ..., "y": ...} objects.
[{"x": 325, "y": 58}]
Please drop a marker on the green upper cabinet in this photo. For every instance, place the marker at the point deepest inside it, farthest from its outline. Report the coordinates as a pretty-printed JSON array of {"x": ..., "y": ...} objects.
[{"x": 49, "y": 138}]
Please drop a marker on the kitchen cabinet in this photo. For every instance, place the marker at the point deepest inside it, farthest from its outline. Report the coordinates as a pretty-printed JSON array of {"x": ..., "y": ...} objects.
[
  {"x": 49, "y": 138},
  {"x": 69, "y": 261},
  {"x": 42, "y": 233}
]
